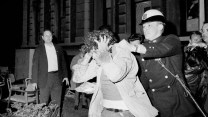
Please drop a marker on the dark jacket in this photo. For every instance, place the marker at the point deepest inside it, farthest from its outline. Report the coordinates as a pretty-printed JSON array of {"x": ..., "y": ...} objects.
[
  {"x": 165, "y": 92},
  {"x": 40, "y": 66}
]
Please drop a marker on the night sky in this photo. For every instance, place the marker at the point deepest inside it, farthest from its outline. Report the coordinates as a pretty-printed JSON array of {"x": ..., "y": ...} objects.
[{"x": 11, "y": 30}]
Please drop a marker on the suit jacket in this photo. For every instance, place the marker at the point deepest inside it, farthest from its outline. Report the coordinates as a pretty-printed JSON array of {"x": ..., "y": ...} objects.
[{"x": 40, "y": 66}]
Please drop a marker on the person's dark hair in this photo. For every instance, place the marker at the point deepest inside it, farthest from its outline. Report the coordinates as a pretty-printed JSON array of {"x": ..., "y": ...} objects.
[
  {"x": 109, "y": 29},
  {"x": 196, "y": 33},
  {"x": 136, "y": 36},
  {"x": 90, "y": 37}
]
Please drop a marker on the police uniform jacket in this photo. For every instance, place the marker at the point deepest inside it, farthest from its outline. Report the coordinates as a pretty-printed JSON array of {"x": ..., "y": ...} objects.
[{"x": 163, "y": 54}]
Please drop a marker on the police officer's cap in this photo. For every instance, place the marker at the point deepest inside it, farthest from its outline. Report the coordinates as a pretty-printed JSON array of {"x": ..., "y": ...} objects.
[{"x": 153, "y": 15}]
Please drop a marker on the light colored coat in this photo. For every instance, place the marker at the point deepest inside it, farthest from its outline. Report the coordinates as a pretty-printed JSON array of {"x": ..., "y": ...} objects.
[{"x": 121, "y": 70}]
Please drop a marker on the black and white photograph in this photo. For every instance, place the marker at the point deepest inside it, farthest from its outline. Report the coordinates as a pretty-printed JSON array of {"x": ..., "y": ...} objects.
[{"x": 104, "y": 58}]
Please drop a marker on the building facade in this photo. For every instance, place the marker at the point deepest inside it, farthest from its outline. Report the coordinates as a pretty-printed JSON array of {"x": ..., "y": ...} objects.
[{"x": 70, "y": 20}]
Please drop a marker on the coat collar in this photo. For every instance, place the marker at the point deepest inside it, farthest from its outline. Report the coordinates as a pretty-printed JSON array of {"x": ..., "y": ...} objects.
[{"x": 156, "y": 40}]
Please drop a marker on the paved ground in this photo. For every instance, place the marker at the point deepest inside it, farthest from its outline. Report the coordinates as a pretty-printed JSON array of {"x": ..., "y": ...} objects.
[{"x": 68, "y": 109}]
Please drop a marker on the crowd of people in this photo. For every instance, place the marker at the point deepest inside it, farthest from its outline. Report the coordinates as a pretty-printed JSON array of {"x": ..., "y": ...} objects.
[{"x": 146, "y": 75}]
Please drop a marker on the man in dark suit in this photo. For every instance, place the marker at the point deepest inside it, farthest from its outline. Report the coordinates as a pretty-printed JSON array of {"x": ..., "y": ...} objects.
[
  {"x": 161, "y": 60},
  {"x": 49, "y": 70}
]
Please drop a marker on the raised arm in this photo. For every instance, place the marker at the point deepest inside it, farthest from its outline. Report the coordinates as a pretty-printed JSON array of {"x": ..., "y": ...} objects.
[{"x": 84, "y": 70}]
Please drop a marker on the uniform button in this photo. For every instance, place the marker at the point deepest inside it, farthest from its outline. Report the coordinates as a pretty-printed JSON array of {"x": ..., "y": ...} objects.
[
  {"x": 166, "y": 76},
  {"x": 153, "y": 47},
  {"x": 150, "y": 47},
  {"x": 150, "y": 80},
  {"x": 168, "y": 86},
  {"x": 153, "y": 90},
  {"x": 145, "y": 70},
  {"x": 142, "y": 59}
]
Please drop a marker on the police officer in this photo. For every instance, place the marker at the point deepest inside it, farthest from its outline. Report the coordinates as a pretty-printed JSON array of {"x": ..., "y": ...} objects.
[{"x": 161, "y": 60}]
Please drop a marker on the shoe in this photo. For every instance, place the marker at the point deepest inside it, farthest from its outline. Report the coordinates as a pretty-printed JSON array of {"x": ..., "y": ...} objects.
[
  {"x": 85, "y": 106},
  {"x": 75, "y": 107}
]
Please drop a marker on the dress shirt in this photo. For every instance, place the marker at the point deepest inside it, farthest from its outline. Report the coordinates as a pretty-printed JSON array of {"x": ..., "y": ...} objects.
[{"x": 52, "y": 57}]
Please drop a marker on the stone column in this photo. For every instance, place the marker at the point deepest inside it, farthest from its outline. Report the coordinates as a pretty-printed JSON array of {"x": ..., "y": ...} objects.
[
  {"x": 25, "y": 23},
  {"x": 86, "y": 16}
]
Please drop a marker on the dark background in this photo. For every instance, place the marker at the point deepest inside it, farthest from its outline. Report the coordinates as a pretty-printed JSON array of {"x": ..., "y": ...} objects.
[{"x": 11, "y": 30}]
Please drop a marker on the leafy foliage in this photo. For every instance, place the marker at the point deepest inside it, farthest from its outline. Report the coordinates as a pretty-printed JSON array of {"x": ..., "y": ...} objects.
[{"x": 33, "y": 110}]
